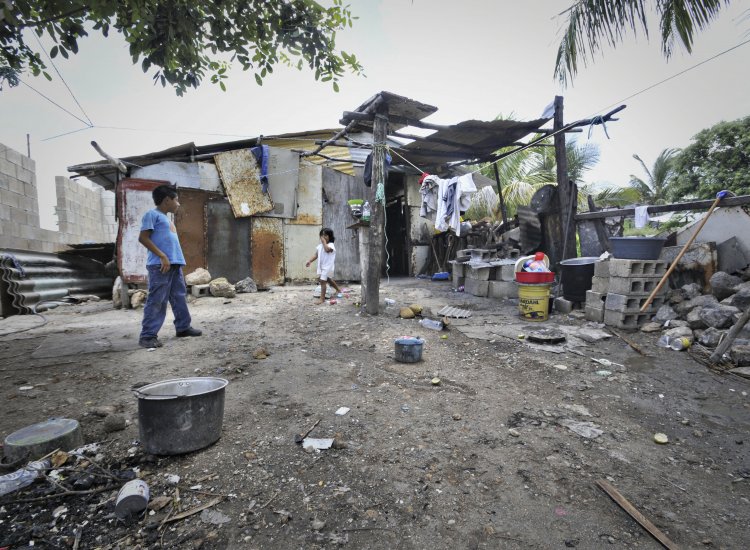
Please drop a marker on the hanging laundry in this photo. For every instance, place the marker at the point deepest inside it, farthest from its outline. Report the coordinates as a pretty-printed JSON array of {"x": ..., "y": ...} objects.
[
  {"x": 641, "y": 216},
  {"x": 367, "y": 174},
  {"x": 429, "y": 189},
  {"x": 261, "y": 156},
  {"x": 451, "y": 197}
]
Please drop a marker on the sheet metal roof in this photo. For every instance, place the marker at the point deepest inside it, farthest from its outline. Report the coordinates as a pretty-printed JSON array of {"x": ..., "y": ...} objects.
[
  {"x": 104, "y": 174},
  {"x": 472, "y": 139}
]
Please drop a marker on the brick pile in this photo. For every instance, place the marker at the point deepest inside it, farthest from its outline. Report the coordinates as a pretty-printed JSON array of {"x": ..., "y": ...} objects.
[
  {"x": 620, "y": 288},
  {"x": 486, "y": 277}
]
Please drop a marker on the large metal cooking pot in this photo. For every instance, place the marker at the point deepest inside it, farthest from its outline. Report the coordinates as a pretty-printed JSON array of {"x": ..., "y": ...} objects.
[{"x": 181, "y": 415}]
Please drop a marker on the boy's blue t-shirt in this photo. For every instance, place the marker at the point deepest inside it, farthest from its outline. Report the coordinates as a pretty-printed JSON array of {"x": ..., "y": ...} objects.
[{"x": 164, "y": 236}]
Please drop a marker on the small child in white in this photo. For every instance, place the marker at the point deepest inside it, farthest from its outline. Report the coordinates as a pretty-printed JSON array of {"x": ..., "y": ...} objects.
[{"x": 325, "y": 253}]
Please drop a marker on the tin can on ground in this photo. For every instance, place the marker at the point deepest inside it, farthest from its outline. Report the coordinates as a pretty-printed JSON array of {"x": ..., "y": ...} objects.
[{"x": 132, "y": 499}]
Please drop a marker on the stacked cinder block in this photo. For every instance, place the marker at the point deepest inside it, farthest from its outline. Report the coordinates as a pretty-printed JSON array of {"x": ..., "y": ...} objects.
[
  {"x": 477, "y": 278},
  {"x": 620, "y": 288}
]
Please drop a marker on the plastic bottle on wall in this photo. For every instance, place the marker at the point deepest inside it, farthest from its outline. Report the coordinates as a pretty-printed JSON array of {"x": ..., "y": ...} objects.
[{"x": 366, "y": 211}]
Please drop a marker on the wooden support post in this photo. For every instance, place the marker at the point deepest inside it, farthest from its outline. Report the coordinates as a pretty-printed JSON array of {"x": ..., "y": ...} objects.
[
  {"x": 500, "y": 194},
  {"x": 377, "y": 215},
  {"x": 565, "y": 192}
]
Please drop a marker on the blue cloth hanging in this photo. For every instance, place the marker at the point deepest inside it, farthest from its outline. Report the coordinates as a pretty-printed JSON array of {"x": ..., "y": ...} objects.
[{"x": 261, "y": 156}]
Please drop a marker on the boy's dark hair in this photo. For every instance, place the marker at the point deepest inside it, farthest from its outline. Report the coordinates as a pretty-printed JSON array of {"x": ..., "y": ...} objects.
[
  {"x": 328, "y": 232},
  {"x": 162, "y": 192}
]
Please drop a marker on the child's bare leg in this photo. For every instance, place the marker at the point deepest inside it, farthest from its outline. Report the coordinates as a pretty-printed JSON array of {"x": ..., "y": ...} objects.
[
  {"x": 322, "y": 292},
  {"x": 334, "y": 285}
]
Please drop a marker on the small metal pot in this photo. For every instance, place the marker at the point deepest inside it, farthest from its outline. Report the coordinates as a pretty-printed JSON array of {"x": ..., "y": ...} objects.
[{"x": 182, "y": 415}]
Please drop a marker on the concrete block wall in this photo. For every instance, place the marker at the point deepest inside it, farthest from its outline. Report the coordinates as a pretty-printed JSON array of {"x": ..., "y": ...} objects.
[
  {"x": 19, "y": 205},
  {"x": 85, "y": 213}
]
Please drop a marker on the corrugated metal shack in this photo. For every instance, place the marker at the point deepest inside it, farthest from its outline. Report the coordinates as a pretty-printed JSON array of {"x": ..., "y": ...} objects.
[{"x": 233, "y": 225}]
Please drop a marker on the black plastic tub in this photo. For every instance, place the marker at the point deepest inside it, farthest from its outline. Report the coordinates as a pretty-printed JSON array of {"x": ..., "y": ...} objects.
[
  {"x": 576, "y": 275},
  {"x": 637, "y": 248}
]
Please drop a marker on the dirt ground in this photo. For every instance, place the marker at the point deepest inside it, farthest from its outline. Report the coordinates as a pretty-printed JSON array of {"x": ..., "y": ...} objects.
[{"x": 486, "y": 459}]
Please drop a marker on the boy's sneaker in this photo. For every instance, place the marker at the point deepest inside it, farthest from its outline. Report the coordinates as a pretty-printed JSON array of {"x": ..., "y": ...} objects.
[
  {"x": 189, "y": 332},
  {"x": 150, "y": 342}
]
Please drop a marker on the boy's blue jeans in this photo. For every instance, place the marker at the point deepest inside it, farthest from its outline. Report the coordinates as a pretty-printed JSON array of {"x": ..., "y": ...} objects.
[{"x": 162, "y": 288}]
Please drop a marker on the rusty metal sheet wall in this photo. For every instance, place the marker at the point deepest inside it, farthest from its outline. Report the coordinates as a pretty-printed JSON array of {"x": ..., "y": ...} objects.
[
  {"x": 190, "y": 221},
  {"x": 309, "y": 189},
  {"x": 240, "y": 175},
  {"x": 133, "y": 201},
  {"x": 338, "y": 188},
  {"x": 227, "y": 242},
  {"x": 267, "y": 243}
]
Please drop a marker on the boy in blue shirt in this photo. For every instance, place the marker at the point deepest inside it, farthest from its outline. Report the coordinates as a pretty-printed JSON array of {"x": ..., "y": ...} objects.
[{"x": 164, "y": 264}]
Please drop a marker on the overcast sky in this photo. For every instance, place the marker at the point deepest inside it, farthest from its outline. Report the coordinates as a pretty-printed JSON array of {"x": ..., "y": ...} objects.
[{"x": 473, "y": 60}]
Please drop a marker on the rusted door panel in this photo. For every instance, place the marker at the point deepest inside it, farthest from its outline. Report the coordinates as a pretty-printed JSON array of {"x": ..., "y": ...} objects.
[
  {"x": 227, "y": 242},
  {"x": 190, "y": 220},
  {"x": 240, "y": 175},
  {"x": 133, "y": 201},
  {"x": 338, "y": 188},
  {"x": 267, "y": 243}
]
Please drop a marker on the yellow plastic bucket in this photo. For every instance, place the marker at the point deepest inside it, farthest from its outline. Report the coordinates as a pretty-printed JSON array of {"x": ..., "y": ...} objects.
[{"x": 533, "y": 301}]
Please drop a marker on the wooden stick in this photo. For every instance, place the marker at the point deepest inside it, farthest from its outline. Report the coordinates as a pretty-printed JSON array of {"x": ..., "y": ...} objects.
[
  {"x": 629, "y": 342},
  {"x": 304, "y": 435},
  {"x": 195, "y": 510},
  {"x": 672, "y": 267},
  {"x": 726, "y": 342},
  {"x": 635, "y": 514}
]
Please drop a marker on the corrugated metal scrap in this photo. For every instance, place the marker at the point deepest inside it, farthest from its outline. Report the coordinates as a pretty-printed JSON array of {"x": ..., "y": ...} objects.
[
  {"x": 31, "y": 278},
  {"x": 450, "y": 311}
]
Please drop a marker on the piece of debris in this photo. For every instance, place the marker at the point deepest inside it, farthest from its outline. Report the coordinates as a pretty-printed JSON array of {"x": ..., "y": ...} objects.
[
  {"x": 159, "y": 502},
  {"x": 132, "y": 499},
  {"x": 607, "y": 363},
  {"x": 589, "y": 430},
  {"x": 172, "y": 479},
  {"x": 456, "y": 416},
  {"x": 457, "y": 313},
  {"x": 114, "y": 423},
  {"x": 578, "y": 409},
  {"x": 341, "y": 411},
  {"x": 435, "y": 381},
  {"x": 514, "y": 432},
  {"x": 317, "y": 443},
  {"x": 635, "y": 514},
  {"x": 661, "y": 438},
  {"x": 317, "y": 524},
  {"x": 546, "y": 336},
  {"x": 260, "y": 353},
  {"x": 560, "y": 367},
  {"x": 416, "y": 308},
  {"x": 214, "y": 517}
]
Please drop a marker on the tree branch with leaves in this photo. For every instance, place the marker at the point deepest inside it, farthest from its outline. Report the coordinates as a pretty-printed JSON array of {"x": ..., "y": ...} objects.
[
  {"x": 183, "y": 41},
  {"x": 594, "y": 24}
]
